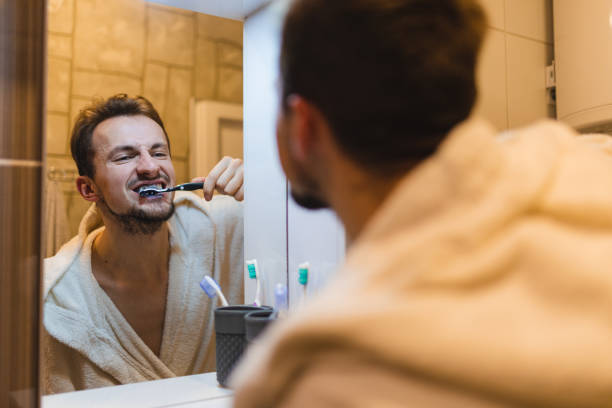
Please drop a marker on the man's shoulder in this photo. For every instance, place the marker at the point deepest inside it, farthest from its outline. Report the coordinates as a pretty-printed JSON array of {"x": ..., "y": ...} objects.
[{"x": 59, "y": 264}]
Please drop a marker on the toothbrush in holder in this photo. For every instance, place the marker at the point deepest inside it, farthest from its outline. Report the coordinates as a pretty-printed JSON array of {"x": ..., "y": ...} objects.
[
  {"x": 254, "y": 273},
  {"x": 212, "y": 289},
  {"x": 303, "y": 270}
]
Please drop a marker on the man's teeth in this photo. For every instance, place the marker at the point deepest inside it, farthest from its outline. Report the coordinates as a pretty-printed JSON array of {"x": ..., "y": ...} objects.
[{"x": 157, "y": 186}]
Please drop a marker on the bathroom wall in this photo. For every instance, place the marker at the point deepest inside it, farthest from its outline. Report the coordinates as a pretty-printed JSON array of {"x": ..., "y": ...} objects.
[
  {"x": 103, "y": 47},
  {"x": 511, "y": 74}
]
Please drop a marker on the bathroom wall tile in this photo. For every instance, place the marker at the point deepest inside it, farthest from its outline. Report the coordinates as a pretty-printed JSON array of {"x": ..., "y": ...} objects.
[
  {"x": 163, "y": 7},
  {"x": 59, "y": 46},
  {"x": 170, "y": 37},
  {"x": 155, "y": 85},
  {"x": 177, "y": 111},
  {"x": 495, "y": 12},
  {"x": 219, "y": 28},
  {"x": 76, "y": 104},
  {"x": 95, "y": 84},
  {"x": 58, "y": 85},
  {"x": 20, "y": 267},
  {"x": 60, "y": 16},
  {"x": 530, "y": 18},
  {"x": 63, "y": 163},
  {"x": 206, "y": 69},
  {"x": 110, "y": 36},
  {"x": 491, "y": 76},
  {"x": 527, "y": 95},
  {"x": 230, "y": 85},
  {"x": 57, "y": 133},
  {"x": 229, "y": 54},
  {"x": 181, "y": 170}
]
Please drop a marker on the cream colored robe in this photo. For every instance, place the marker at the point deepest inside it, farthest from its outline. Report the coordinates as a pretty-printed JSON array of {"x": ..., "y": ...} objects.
[
  {"x": 87, "y": 343},
  {"x": 485, "y": 280}
]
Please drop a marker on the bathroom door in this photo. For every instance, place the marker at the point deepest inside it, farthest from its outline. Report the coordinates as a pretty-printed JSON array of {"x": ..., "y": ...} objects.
[{"x": 216, "y": 131}]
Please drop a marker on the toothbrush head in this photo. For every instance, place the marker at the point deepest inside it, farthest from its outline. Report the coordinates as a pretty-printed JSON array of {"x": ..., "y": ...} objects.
[
  {"x": 209, "y": 286},
  {"x": 303, "y": 273},
  {"x": 252, "y": 269},
  {"x": 150, "y": 191}
]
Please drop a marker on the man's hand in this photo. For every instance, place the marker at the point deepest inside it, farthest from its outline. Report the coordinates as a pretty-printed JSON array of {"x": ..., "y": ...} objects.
[{"x": 227, "y": 177}]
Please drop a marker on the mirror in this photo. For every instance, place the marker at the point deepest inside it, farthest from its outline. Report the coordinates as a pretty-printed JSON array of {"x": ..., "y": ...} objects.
[{"x": 180, "y": 61}]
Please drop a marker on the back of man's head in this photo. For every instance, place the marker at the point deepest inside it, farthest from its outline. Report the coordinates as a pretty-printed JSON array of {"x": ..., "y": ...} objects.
[{"x": 392, "y": 77}]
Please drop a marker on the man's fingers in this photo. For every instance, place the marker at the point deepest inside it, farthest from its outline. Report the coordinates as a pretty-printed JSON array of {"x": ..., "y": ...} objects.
[
  {"x": 211, "y": 179},
  {"x": 198, "y": 179},
  {"x": 240, "y": 194},
  {"x": 235, "y": 182},
  {"x": 228, "y": 175}
]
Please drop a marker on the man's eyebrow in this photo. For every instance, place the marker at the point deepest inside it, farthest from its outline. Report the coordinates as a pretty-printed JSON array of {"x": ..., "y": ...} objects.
[
  {"x": 124, "y": 148},
  {"x": 158, "y": 145}
]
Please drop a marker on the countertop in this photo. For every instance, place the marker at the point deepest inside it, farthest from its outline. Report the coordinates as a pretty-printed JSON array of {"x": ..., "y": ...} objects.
[{"x": 194, "y": 391}]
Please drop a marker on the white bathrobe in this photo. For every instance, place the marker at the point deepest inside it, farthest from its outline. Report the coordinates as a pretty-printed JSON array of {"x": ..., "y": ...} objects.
[
  {"x": 87, "y": 342},
  {"x": 484, "y": 280}
]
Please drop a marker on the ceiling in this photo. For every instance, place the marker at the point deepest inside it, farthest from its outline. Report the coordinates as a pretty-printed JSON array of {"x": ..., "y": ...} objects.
[{"x": 234, "y": 9}]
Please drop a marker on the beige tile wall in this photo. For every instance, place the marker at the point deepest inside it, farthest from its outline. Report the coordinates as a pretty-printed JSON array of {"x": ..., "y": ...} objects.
[
  {"x": 511, "y": 74},
  {"x": 97, "y": 48}
]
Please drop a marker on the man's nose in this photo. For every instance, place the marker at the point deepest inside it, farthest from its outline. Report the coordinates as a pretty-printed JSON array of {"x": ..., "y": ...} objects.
[{"x": 147, "y": 165}]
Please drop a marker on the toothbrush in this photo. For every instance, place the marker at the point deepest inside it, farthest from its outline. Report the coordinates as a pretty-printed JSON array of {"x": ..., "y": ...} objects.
[
  {"x": 148, "y": 191},
  {"x": 255, "y": 274},
  {"x": 212, "y": 289},
  {"x": 303, "y": 277}
]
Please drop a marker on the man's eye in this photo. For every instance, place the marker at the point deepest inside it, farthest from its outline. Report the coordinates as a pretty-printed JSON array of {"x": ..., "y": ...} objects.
[
  {"x": 159, "y": 154},
  {"x": 122, "y": 158}
]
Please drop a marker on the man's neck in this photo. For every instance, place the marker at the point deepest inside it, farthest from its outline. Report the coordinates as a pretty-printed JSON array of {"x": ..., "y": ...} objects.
[
  {"x": 357, "y": 195},
  {"x": 127, "y": 258}
]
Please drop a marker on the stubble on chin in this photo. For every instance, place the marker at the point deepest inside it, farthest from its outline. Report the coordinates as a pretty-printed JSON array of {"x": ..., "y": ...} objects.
[
  {"x": 308, "y": 201},
  {"x": 138, "y": 221}
]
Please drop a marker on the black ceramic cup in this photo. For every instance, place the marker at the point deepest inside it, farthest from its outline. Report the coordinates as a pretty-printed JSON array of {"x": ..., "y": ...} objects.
[
  {"x": 256, "y": 322},
  {"x": 230, "y": 337}
]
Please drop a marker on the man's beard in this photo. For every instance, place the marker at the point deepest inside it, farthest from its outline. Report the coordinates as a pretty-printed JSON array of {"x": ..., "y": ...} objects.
[
  {"x": 138, "y": 221},
  {"x": 308, "y": 201}
]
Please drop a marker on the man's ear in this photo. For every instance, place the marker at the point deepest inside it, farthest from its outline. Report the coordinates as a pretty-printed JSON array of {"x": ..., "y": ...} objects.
[
  {"x": 306, "y": 124},
  {"x": 87, "y": 188}
]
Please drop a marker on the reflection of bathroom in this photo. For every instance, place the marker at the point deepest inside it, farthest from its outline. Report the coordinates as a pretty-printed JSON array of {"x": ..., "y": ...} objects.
[{"x": 168, "y": 55}]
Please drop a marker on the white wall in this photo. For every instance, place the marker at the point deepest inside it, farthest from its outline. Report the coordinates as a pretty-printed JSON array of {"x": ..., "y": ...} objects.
[
  {"x": 265, "y": 210},
  {"x": 278, "y": 233},
  {"x": 511, "y": 74}
]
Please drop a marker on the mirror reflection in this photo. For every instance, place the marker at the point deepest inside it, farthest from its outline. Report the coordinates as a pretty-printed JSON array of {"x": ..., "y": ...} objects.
[{"x": 122, "y": 301}]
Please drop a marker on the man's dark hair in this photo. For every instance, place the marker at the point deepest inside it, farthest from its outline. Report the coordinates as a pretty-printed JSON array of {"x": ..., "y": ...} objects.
[
  {"x": 94, "y": 114},
  {"x": 392, "y": 77}
]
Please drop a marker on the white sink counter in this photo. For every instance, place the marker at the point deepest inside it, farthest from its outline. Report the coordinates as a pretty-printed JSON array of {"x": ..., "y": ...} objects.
[{"x": 194, "y": 391}]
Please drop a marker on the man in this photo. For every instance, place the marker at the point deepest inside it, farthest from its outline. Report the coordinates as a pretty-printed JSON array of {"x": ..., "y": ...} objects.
[
  {"x": 121, "y": 300},
  {"x": 479, "y": 268}
]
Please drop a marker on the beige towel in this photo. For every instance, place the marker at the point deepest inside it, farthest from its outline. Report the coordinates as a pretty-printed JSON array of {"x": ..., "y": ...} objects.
[
  {"x": 487, "y": 272},
  {"x": 87, "y": 343},
  {"x": 57, "y": 232}
]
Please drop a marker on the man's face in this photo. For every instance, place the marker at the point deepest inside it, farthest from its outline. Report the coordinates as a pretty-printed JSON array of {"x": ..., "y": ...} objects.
[
  {"x": 131, "y": 151},
  {"x": 303, "y": 185}
]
